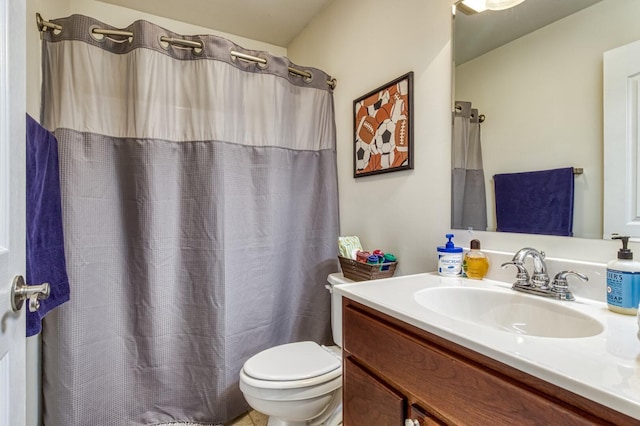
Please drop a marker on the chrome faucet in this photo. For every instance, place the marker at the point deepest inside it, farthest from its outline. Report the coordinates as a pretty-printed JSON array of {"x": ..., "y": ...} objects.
[
  {"x": 539, "y": 279},
  {"x": 538, "y": 284}
]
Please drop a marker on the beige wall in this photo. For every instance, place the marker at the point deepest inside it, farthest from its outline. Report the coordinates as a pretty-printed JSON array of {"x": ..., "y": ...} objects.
[{"x": 365, "y": 46}]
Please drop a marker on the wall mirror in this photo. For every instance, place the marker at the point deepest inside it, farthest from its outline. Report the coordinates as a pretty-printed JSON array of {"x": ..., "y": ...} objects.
[{"x": 535, "y": 73}]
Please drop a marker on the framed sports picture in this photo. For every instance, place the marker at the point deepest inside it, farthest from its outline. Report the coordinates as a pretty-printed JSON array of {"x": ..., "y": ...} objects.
[{"x": 383, "y": 128}]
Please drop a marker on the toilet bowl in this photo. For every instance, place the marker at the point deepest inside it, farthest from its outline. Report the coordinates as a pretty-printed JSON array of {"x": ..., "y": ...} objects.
[
  {"x": 299, "y": 383},
  {"x": 293, "y": 383}
]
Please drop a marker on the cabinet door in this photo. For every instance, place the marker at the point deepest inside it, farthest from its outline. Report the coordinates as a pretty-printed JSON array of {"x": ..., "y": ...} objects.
[{"x": 368, "y": 401}]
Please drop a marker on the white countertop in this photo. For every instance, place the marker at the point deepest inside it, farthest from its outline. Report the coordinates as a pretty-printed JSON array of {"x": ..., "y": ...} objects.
[{"x": 604, "y": 368}]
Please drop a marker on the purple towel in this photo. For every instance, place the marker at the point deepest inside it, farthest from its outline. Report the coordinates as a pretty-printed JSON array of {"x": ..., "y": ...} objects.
[
  {"x": 535, "y": 202},
  {"x": 45, "y": 242}
]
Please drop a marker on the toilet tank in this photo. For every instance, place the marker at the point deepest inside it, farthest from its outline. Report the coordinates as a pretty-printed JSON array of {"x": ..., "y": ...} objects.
[{"x": 336, "y": 305}]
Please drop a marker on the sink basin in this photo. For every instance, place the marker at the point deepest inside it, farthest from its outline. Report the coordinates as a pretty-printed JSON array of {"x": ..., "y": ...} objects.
[{"x": 509, "y": 312}]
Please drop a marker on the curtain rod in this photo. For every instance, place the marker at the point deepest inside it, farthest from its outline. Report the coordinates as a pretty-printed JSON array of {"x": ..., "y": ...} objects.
[
  {"x": 481, "y": 117},
  {"x": 261, "y": 62}
]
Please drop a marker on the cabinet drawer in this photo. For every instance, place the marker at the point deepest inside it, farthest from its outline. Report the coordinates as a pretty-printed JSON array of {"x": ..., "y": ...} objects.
[{"x": 459, "y": 391}]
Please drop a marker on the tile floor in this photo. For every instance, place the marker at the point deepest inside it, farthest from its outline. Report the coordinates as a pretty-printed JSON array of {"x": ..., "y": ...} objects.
[{"x": 252, "y": 418}]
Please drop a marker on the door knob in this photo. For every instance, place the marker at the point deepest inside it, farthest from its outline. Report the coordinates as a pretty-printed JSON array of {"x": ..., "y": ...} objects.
[{"x": 20, "y": 292}]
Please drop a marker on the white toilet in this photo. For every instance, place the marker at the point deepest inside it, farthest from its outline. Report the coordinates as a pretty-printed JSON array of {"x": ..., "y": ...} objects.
[{"x": 299, "y": 383}]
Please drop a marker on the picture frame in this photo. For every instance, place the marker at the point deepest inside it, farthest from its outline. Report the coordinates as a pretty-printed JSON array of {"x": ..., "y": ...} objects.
[{"x": 383, "y": 128}]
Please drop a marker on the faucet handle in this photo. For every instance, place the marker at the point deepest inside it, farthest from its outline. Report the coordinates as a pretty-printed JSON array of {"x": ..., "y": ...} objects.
[
  {"x": 522, "y": 277},
  {"x": 560, "y": 286},
  {"x": 540, "y": 280}
]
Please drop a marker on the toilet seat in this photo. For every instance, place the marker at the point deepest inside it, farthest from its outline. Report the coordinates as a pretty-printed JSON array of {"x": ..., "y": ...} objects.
[{"x": 292, "y": 365}]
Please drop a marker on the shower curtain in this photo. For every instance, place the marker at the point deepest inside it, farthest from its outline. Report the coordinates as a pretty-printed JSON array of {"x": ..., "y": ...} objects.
[
  {"x": 200, "y": 221},
  {"x": 468, "y": 196}
]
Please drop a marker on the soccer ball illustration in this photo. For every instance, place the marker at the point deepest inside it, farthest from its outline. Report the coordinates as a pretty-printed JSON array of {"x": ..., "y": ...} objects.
[
  {"x": 385, "y": 137},
  {"x": 386, "y": 160},
  {"x": 363, "y": 154},
  {"x": 385, "y": 143}
]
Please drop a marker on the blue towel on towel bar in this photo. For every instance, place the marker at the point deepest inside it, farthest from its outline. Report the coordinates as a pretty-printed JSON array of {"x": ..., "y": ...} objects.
[
  {"x": 538, "y": 202},
  {"x": 45, "y": 243}
]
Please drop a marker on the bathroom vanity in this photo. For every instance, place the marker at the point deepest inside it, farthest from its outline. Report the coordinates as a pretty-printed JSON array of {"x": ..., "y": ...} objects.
[{"x": 405, "y": 360}]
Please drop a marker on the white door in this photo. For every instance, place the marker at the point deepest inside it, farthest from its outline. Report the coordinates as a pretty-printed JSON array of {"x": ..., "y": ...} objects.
[
  {"x": 12, "y": 213},
  {"x": 622, "y": 141}
]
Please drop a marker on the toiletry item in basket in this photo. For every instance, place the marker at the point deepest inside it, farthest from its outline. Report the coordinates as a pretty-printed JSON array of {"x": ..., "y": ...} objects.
[
  {"x": 362, "y": 256},
  {"x": 373, "y": 260},
  {"x": 449, "y": 258},
  {"x": 380, "y": 254},
  {"x": 388, "y": 258},
  {"x": 475, "y": 263},
  {"x": 623, "y": 281},
  {"x": 349, "y": 246}
]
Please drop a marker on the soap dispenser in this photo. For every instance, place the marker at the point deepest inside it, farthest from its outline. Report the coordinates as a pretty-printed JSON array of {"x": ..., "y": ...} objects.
[
  {"x": 475, "y": 264},
  {"x": 623, "y": 281},
  {"x": 449, "y": 258}
]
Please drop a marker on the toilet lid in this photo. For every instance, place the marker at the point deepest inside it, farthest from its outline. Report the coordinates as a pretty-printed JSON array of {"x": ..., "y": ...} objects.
[{"x": 293, "y": 361}]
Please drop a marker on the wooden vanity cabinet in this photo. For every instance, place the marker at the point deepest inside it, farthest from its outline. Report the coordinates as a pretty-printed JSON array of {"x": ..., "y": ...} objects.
[{"x": 394, "y": 371}]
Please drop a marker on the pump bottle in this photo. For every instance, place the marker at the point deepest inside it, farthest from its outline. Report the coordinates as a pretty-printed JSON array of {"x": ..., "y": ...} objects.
[
  {"x": 623, "y": 281},
  {"x": 449, "y": 258}
]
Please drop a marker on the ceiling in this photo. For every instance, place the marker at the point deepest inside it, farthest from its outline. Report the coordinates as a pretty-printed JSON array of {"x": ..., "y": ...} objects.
[
  {"x": 271, "y": 21},
  {"x": 278, "y": 22},
  {"x": 481, "y": 32}
]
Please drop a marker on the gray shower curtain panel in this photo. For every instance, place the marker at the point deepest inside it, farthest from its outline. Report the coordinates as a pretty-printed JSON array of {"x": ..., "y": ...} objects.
[
  {"x": 200, "y": 221},
  {"x": 468, "y": 195}
]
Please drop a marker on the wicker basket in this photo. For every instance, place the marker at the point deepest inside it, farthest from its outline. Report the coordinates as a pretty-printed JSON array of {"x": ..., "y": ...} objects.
[{"x": 359, "y": 271}]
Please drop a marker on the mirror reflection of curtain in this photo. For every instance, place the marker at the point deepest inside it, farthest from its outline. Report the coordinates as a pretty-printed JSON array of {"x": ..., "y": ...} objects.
[{"x": 469, "y": 202}]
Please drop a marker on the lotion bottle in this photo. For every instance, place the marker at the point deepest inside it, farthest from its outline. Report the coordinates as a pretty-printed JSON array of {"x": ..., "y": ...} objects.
[
  {"x": 623, "y": 281},
  {"x": 449, "y": 259},
  {"x": 475, "y": 264}
]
